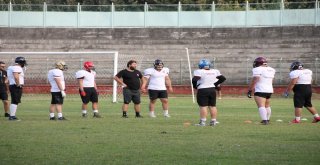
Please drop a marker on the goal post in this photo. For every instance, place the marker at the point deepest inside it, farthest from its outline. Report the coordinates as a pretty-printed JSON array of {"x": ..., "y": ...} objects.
[{"x": 39, "y": 63}]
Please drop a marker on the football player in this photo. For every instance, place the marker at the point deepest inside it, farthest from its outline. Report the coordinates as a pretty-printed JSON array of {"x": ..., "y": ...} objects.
[
  {"x": 130, "y": 79},
  {"x": 16, "y": 82},
  {"x": 157, "y": 79},
  {"x": 56, "y": 79},
  {"x": 301, "y": 85},
  {"x": 205, "y": 80},
  {"x": 261, "y": 84},
  {"x": 88, "y": 88},
  {"x": 4, "y": 88}
]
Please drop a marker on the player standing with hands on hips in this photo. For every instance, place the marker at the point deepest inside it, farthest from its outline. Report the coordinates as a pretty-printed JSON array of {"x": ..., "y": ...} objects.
[
  {"x": 88, "y": 88},
  {"x": 157, "y": 79},
  {"x": 261, "y": 84},
  {"x": 205, "y": 80},
  {"x": 58, "y": 87},
  {"x": 301, "y": 85},
  {"x": 131, "y": 82},
  {"x": 16, "y": 82}
]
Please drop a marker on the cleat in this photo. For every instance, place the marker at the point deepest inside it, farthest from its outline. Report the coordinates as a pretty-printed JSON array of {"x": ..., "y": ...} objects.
[
  {"x": 84, "y": 115},
  {"x": 316, "y": 119},
  {"x": 6, "y": 115},
  {"x": 167, "y": 115},
  {"x": 13, "y": 118},
  {"x": 62, "y": 118},
  {"x": 264, "y": 122},
  {"x": 201, "y": 124},
  {"x": 152, "y": 115},
  {"x": 294, "y": 121},
  {"x": 213, "y": 123},
  {"x": 125, "y": 116},
  {"x": 97, "y": 115},
  {"x": 52, "y": 118},
  {"x": 139, "y": 116}
]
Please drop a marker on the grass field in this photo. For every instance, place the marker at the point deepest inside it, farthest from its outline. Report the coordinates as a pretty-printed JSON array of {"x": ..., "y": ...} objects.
[{"x": 114, "y": 140}]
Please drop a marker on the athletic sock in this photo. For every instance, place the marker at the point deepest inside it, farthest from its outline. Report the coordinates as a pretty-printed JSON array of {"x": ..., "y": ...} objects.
[
  {"x": 59, "y": 115},
  {"x": 316, "y": 115},
  {"x": 95, "y": 111},
  {"x": 263, "y": 113},
  {"x": 84, "y": 111},
  {"x": 268, "y": 113},
  {"x": 51, "y": 115},
  {"x": 13, "y": 109},
  {"x": 165, "y": 112},
  {"x": 298, "y": 118}
]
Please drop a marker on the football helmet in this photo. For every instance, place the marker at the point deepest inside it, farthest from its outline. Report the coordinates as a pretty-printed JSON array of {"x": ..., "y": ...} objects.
[
  {"x": 296, "y": 65},
  {"x": 158, "y": 64},
  {"x": 21, "y": 61},
  {"x": 61, "y": 65},
  {"x": 259, "y": 61},
  {"x": 204, "y": 64},
  {"x": 88, "y": 65}
]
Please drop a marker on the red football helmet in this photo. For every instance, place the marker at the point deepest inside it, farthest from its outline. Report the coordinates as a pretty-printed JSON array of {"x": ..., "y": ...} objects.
[
  {"x": 259, "y": 61},
  {"x": 88, "y": 65}
]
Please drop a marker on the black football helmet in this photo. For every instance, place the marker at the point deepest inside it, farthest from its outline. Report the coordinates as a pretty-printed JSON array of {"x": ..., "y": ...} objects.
[
  {"x": 259, "y": 61},
  {"x": 296, "y": 65},
  {"x": 21, "y": 61},
  {"x": 157, "y": 62}
]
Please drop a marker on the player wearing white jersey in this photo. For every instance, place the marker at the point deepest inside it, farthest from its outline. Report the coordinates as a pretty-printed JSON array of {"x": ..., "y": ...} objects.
[
  {"x": 301, "y": 85},
  {"x": 261, "y": 83},
  {"x": 205, "y": 80},
  {"x": 57, "y": 83},
  {"x": 157, "y": 79},
  {"x": 88, "y": 88},
  {"x": 16, "y": 82}
]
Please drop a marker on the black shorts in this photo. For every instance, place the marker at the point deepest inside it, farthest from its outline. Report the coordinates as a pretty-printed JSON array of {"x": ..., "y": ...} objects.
[
  {"x": 129, "y": 94},
  {"x": 91, "y": 95},
  {"x": 154, "y": 94},
  {"x": 206, "y": 97},
  {"x": 56, "y": 98},
  {"x": 302, "y": 95},
  {"x": 264, "y": 95},
  {"x": 3, "y": 95},
  {"x": 16, "y": 94}
]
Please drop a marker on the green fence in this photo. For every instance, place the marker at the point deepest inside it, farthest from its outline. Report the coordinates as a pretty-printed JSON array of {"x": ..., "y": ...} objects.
[{"x": 155, "y": 15}]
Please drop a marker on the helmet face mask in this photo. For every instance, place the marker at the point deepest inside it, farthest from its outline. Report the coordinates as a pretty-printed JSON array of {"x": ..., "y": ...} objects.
[
  {"x": 296, "y": 65},
  {"x": 158, "y": 64},
  {"x": 61, "y": 65},
  {"x": 259, "y": 62},
  {"x": 21, "y": 61},
  {"x": 88, "y": 65},
  {"x": 204, "y": 64}
]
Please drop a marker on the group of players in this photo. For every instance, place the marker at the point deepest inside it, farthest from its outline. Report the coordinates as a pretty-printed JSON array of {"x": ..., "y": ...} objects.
[{"x": 157, "y": 83}]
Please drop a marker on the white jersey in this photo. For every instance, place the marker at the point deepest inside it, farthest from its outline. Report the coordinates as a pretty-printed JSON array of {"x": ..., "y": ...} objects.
[
  {"x": 208, "y": 77},
  {"x": 52, "y": 75},
  {"x": 304, "y": 76},
  {"x": 266, "y": 75},
  {"x": 88, "y": 77},
  {"x": 156, "y": 78},
  {"x": 15, "y": 69}
]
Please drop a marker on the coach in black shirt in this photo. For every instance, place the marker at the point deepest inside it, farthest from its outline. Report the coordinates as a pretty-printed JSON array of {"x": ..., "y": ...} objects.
[
  {"x": 4, "y": 88},
  {"x": 131, "y": 82}
]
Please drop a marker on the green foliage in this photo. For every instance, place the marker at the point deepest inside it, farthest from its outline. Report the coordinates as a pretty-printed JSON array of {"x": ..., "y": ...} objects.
[{"x": 114, "y": 140}]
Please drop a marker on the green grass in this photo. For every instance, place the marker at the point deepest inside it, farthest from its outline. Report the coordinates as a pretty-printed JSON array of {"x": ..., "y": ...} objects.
[{"x": 114, "y": 140}]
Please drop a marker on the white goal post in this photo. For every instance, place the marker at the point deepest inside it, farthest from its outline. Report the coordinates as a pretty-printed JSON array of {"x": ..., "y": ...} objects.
[{"x": 40, "y": 62}]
